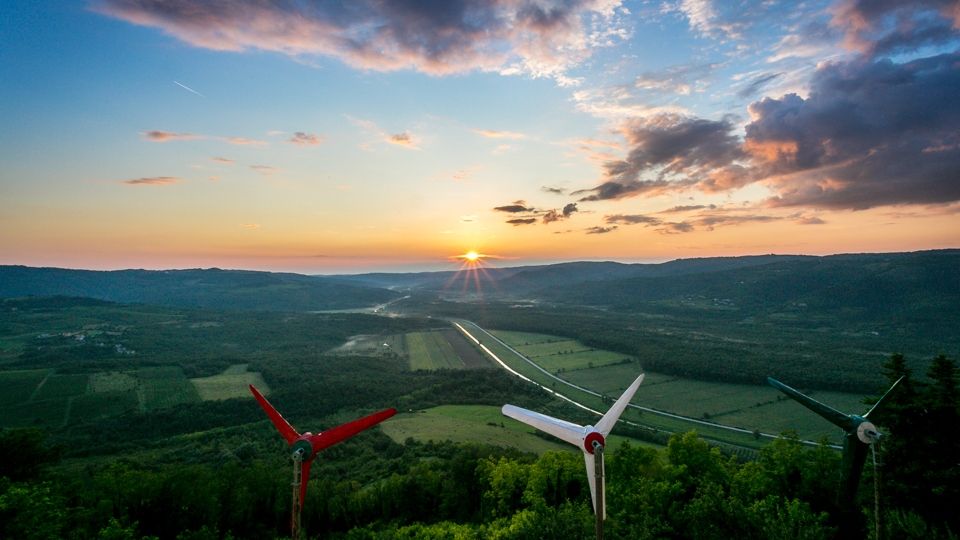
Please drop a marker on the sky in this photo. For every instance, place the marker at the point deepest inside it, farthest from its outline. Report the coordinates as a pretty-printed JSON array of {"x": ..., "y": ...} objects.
[{"x": 337, "y": 137}]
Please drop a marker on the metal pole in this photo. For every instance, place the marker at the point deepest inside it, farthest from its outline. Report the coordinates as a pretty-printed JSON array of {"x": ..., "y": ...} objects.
[
  {"x": 598, "y": 475},
  {"x": 295, "y": 508}
]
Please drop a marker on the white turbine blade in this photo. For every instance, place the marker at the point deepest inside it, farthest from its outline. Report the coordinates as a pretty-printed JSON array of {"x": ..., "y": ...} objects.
[
  {"x": 607, "y": 422},
  {"x": 561, "y": 429},
  {"x": 592, "y": 480}
]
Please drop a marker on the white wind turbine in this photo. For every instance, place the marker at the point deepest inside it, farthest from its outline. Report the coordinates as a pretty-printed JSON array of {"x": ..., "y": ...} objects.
[{"x": 589, "y": 439}]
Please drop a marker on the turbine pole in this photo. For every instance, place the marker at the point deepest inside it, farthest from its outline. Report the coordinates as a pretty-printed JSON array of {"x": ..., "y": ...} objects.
[
  {"x": 297, "y": 503},
  {"x": 598, "y": 475}
]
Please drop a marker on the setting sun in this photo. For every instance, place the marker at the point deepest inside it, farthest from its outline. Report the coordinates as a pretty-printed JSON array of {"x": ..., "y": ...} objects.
[{"x": 471, "y": 256}]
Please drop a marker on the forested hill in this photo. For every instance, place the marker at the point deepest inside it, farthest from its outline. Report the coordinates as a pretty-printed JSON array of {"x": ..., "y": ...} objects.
[
  {"x": 212, "y": 288},
  {"x": 869, "y": 285}
]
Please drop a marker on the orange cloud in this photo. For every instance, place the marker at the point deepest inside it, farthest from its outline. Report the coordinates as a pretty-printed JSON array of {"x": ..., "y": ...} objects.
[{"x": 152, "y": 181}]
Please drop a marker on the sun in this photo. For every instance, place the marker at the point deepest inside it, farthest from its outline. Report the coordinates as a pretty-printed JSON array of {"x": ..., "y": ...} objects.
[{"x": 471, "y": 256}]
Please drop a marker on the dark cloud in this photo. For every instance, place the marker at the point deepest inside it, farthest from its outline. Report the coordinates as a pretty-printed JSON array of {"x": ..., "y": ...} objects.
[
  {"x": 436, "y": 37},
  {"x": 152, "y": 181},
  {"x": 676, "y": 228},
  {"x": 667, "y": 151},
  {"x": 756, "y": 84},
  {"x": 632, "y": 219},
  {"x": 601, "y": 230},
  {"x": 871, "y": 133},
  {"x": 515, "y": 208},
  {"x": 305, "y": 139},
  {"x": 556, "y": 215},
  {"x": 553, "y": 190},
  {"x": 811, "y": 220},
  {"x": 522, "y": 221},
  {"x": 689, "y": 208},
  {"x": 889, "y": 27}
]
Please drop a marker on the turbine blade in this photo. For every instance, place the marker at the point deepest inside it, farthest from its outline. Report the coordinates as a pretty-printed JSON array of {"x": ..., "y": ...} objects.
[
  {"x": 588, "y": 460},
  {"x": 591, "y": 478},
  {"x": 340, "y": 433},
  {"x": 830, "y": 414},
  {"x": 286, "y": 430},
  {"x": 883, "y": 397},
  {"x": 561, "y": 429},
  {"x": 610, "y": 419},
  {"x": 304, "y": 478}
]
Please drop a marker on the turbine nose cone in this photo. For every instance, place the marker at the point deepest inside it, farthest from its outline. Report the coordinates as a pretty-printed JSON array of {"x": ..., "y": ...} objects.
[
  {"x": 592, "y": 437},
  {"x": 867, "y": 433}
]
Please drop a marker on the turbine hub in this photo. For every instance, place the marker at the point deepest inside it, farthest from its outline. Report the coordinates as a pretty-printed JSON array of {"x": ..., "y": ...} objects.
[
  {"x": 593, "y": 436},
  {"x": 867, "y": 433},
  {"x": 303, "y": 447}
]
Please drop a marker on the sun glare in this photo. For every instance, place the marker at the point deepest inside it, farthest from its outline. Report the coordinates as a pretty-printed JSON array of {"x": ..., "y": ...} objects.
[{"x": 471, "y": 256}]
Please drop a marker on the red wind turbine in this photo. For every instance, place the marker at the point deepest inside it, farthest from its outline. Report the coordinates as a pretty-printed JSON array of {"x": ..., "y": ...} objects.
[{"x": 304, "y": 448}]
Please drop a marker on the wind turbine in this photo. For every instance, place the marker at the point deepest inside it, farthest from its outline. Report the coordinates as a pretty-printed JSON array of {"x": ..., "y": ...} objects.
[
  {"x": 589, "y": 439},
  {"x": 306, "y": 446},
  {"x": 860, "y": 435}
]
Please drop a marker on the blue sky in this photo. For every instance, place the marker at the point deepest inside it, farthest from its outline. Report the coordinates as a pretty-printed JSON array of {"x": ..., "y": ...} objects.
[{"x": 328, "y": 137}]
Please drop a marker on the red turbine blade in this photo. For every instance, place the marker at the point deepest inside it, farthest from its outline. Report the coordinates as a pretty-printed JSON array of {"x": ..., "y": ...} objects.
[
  {"x": 284, "y": 427},
  {"x": 332, "y": 436},
  {"x": 304, "y": 478}
]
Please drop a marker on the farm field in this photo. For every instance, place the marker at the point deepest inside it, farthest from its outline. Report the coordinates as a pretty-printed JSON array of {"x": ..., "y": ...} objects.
[
  {"x": 431, "y": 350},
  {"x": 558, "y": 354},
  {"x": 372, "y": 345},
  {"x": 232, "y": 383},
  {"x": 479, "y": 424},
  {"x": 164, "y": 387},
  {"x": 750, "y": 407}
]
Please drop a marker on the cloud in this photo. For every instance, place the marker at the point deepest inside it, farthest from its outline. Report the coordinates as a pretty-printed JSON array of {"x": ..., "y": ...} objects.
[
  {"x": 250, "y": 226},
  {"x": 522, "y": 221},
  {"x": 538, "y": 39},
  {"x": 515, "y": 207},
  {"x": 859, "y": 139},
  {"x": 667, "y": 151},
  {"x": 811, "y": 220},
  {"x": 601, "y": 230},
  {"x": 404, "y": 139},
  {"x": 632, "y": 219},
  {"x": 167, "y": 136},
  {"x": 553, "y": 190},
  {"x": 222, "y": 160},
  {"x": 895, "y": 27},
  {"x": 551, "y": 216},
  {"x": 675, "y": 80},
  {"x": 265, "y": 170},
  {"x": 756, "y": 84},
  {"x": 688, "y": 208},
  {"x": 468, "y": 218},
  {"x": 305, "y": 139},
  {"x": 676, "y": 228},
  {"x": 492, "y": 134},
  {"x": 243, "y": 141},
  {"x": 152, "y": 181}
]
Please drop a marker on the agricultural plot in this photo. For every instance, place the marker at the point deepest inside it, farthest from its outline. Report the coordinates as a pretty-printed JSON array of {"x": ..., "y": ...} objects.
[
  {"x": 18, "y": 386},
  {"x": 467, "y": 423},
  {"x": 431, "y": 350},
  {"x": 111, "y": 381},
  {"x": 559, "y": 355},
  {"x": 94, "y": 406},
  {"x": 164, "y": 387},
  {"x": 43, "y": 413},
  {"x": 61, "y": 386},
  {"x": 232, "y": 383},
  {"x": 372, "y": 345}
]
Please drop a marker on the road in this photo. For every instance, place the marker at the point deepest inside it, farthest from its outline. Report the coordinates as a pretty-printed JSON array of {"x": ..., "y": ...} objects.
[{"x": 487, "y": 335}]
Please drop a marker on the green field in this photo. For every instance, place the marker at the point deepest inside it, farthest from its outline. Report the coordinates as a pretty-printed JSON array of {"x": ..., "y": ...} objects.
[
  {"x": 18, "y": 386},
  {"x": 91, "y": 407},
  {"x": 750, "y": 407},
  {"x": 431, "y": 350},
  {"x": 61, "y": 386},
  {"x": 232, "y": 383},
  {"x": 164, "y": 387},
  {"x": 45, "y": 413},
  {"x": 557, "y": 354}
]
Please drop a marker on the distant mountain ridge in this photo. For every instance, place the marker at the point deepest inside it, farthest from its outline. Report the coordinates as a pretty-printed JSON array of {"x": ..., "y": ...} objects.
[{"x": 210, "y": 288}]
